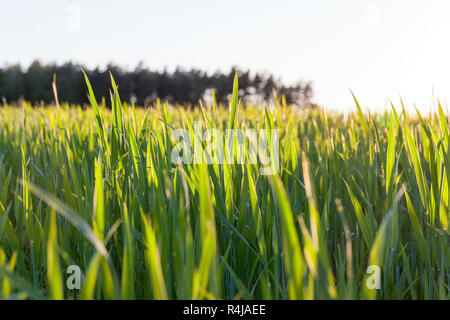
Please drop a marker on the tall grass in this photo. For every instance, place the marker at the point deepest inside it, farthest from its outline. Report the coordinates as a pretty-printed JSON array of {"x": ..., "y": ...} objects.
[{"x": 96, "y": 188}]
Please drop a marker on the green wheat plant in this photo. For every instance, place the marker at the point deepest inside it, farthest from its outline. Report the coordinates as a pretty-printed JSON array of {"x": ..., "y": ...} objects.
[{"x": 96, "y": 188}]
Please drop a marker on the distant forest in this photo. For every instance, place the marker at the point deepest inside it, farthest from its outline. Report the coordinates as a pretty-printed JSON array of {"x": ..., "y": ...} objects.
[{"x": 141, "y": 86}]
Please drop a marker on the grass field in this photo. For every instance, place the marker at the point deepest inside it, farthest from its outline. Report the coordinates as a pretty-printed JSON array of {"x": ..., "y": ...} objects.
[{"x": 96, "y": 188}]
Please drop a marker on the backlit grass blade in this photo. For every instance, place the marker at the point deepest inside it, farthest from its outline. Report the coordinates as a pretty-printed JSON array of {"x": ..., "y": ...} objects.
[
  {"x": 417, "y": 229},
  {"x": 87, "y": 293},
  {"x": 415, "y": 158},
  {"x": 361, "y": 116},
  {"x": 390, "y": 153},
  {"x": 71, "y": 216},
  {"x": 99, "y": 202},
  {"x": 317, "y": 234},
  {"x": 234, "y": 104},
  {"x": 376, "y": 257},
  {"x": 362, "y": 219},
  {"x": 98, "y": 115},
  {"x": 294, "y": 261},
  {"x": 54, "y": 275},
  {"x": 153, "y": 261},
  {"x": 128, "y": 258},
  {"x": 205, "y": 276}
]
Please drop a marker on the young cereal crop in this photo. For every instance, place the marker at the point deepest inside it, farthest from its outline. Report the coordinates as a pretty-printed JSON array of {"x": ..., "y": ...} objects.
[{"x": 358, "y": 208}]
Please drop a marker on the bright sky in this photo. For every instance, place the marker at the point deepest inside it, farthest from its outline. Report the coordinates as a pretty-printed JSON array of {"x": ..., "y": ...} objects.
[{"x": 379, "y": 49}]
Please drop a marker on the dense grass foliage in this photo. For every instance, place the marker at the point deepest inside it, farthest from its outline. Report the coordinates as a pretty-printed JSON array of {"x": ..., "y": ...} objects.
[{"x": 97, "y": 188}]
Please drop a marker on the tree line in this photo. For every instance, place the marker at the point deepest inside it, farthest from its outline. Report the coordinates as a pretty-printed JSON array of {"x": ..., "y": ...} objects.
[{"x": 141, "y": 86}]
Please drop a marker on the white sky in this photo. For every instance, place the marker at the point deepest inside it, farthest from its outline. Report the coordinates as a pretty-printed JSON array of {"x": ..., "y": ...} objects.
[{"x": 379, "y": 49}]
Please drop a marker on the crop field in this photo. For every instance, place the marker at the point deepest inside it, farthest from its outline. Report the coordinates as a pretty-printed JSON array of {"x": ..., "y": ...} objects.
[{"x": 358, "y": 207}]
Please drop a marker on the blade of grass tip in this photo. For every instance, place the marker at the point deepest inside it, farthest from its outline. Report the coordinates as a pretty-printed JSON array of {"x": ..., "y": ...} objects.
[
  {"x": 443, "y": 123},
  {"x": 234, "y": 104},
  {"x": 396, "y": 118},
  {"x": 71, "y": 216},
  {"x": 97, "y": 113},
  {"x": 417, "y": 229},
  {"x": 390, "y": 153},
  {"x": 415, "y": 157},
  {"x": 135, "y": 151},
  {"x": 361, "y": 218},
  {"x": 118, "y": 113},
  {"x": 362, "y": 118},
  {"x": 214, "y": 112},
  {"x": 107, "y": 279},
  {"x": 87, "y": 292},
  {"x": 206, "y": 119},
  {"x": 55, "y": 91}
]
